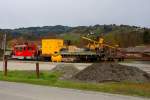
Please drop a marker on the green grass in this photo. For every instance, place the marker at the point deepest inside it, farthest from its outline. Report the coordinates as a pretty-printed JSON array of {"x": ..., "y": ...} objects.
[{"x": 52, "y": 79}]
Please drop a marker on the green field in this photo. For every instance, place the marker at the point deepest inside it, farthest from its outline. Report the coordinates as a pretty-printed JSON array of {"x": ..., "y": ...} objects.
[{"x": 52, "y": 79}]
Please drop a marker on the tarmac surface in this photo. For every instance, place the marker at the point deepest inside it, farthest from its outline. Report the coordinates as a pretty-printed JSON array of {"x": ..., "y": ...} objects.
[
  {"x": 21, "y": 91},
  {"x": 30, "y": 65},
  {"x": 143, "y": 65}
]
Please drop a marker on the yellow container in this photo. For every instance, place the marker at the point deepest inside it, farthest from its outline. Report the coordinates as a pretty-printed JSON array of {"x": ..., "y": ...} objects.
[{"x": 51, "y": 46}]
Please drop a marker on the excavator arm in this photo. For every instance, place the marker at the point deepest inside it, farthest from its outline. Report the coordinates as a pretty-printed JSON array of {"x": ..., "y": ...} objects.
[{"x": 85, "y": 38}]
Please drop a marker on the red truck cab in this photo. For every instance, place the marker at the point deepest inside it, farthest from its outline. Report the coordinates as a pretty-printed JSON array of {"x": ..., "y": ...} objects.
[{"x": 24, "y": 51}]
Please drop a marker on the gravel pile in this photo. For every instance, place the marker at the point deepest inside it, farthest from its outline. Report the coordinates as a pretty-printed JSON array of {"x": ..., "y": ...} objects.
[
  {"x": 111, "y": 72},
  {"x": 67, "y": 70}
]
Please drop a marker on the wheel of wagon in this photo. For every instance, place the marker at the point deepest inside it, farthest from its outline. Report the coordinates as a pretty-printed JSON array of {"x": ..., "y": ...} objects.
[{"x": 119, "y": 59}]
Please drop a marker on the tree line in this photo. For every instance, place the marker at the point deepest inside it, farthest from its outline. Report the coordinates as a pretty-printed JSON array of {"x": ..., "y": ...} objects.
[{"x": 123, "y": 35}]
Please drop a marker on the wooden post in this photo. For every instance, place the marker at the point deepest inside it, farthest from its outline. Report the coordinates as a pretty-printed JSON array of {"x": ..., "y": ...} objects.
[
  {"x": 37, "y": 70},
  {"x": 4, "y": 56},
  {"x": 5, "y": 66}
]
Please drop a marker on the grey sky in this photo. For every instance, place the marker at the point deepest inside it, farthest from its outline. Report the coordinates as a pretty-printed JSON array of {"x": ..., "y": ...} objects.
[{"x": 26, "y": 13}]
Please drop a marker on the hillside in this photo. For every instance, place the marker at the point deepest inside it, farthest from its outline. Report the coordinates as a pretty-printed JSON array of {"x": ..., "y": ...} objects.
[{"x": 124, "y": 35}]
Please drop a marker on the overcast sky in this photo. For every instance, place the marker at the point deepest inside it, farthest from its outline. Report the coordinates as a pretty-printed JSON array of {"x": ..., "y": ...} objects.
[{"x": 26, "y": 13}]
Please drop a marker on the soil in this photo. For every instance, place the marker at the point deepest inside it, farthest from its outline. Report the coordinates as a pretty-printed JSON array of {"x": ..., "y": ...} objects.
[{"x": 111, "y": 72}]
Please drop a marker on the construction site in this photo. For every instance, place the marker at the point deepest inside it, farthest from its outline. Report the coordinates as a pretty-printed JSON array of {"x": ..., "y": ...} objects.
[
  {"x": 95, "y": 65},
  {"x": 75, "y": 50},
  {"x": 93, "y": 61},
  {"x": 102, "y": 57}
]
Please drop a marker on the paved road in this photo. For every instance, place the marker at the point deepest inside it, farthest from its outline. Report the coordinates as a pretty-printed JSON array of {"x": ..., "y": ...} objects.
[
  {"x": 145, "y": 66},
  {"x": 19, "y": 91},
  {"x": 30, "y": 65}
]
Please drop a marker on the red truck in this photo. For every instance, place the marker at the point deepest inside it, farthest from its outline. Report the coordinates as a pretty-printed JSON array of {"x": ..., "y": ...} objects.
[{"x": 25, "y": 51}]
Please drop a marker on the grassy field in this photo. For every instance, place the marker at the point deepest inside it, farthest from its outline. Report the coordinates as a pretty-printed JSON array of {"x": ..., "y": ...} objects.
[{"x": 52, "y": 79}]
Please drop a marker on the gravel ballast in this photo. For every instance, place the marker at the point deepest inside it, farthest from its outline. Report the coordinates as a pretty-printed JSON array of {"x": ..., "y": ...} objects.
[
  {"x": 111, "y": 72},
  {"x": 67, "y": 70}
]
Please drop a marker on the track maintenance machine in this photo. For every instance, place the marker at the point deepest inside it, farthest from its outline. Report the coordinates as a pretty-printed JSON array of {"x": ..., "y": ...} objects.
[
  {"x": 94, "y": 51},
  {"x": 107, "y": 52},
  {"x": 57, "y": 51}
]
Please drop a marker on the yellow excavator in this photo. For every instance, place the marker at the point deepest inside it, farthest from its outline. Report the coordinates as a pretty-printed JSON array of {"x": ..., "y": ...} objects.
[
  {"x": 97, "y": 44},
  {"x": 109, "y": 52}
]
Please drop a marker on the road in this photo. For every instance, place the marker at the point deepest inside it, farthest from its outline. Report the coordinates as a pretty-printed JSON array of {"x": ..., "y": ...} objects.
[
  {"x": 30, "y": 65},
  {"x": 143, "y": 65},
  {"x": 20, "y": 91}
]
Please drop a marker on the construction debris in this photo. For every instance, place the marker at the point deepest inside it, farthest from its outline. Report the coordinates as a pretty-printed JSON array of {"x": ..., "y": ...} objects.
[{"x": 111, "y": 72}]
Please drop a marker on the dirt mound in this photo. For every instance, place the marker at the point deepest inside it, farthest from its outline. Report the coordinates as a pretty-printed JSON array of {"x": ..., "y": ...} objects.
[
  {"x": 67, "y": 70},
  {"x": 113, "y": 72}
]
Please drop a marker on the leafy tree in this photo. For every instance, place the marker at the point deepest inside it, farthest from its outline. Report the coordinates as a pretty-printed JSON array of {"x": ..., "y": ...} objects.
[{"x": 146, "y": 37}]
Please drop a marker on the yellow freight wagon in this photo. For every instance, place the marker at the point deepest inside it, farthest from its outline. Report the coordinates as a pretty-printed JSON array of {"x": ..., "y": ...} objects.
[{"x": 51, "y": 48}]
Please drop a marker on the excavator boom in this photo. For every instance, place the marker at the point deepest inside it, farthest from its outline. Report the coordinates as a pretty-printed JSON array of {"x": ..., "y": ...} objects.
[{"x": 113, "y": 47}]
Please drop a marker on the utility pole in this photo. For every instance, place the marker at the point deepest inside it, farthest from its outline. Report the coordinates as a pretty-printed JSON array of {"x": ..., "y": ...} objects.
[{"x": 4, "y": 43}]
